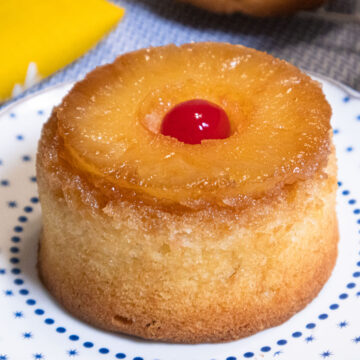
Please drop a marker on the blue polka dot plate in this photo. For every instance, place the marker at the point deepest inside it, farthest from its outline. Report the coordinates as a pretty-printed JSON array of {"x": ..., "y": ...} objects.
[{"x": 34, "y": 326}]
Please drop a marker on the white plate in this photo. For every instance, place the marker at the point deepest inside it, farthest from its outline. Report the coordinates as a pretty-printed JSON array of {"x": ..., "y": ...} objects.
[{"x": 33, "y": 326}]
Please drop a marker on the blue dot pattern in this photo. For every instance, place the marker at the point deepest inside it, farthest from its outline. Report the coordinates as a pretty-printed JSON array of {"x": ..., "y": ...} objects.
[
  {"x": 74, "y": 337},
  {"x": 248, "y": 355},
  {"x": 103, "y": 350},
  {"x": 265, "y": 349},
  {"x": 20, "y": 227}
]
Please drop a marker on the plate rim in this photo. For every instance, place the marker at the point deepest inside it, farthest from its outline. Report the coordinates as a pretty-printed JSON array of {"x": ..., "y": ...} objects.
[
  {"x": 13, "y": 104},
  {"x": 347, "y": 89},
  {"x": 343, "y": 87}
]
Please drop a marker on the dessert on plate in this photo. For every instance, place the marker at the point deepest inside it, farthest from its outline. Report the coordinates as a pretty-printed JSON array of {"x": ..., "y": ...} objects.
[
  {"x": 188, "y": 194},
  {"x": 260, "y": 8}
]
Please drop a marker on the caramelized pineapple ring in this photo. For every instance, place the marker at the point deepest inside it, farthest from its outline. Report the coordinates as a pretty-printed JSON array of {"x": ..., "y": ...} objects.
[{"x": 279, "y": 118}]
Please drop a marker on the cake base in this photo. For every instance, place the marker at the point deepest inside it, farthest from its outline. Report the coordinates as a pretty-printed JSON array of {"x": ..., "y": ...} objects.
[
  {"x": 146, "y": 235},
  {"x": 218, "y": 325},
  {"x": 203, "y": 276}
]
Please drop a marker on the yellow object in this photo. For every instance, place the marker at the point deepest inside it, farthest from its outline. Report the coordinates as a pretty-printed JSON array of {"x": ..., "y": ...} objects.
[{"x": 38, "y": 37}]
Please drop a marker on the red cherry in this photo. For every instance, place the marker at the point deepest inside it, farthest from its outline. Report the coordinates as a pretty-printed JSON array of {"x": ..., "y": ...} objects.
[{"x": 195, "y": 120}]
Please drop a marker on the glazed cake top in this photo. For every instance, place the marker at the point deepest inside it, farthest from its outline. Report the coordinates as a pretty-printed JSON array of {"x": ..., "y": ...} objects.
[{"x": 109, "y": 125}]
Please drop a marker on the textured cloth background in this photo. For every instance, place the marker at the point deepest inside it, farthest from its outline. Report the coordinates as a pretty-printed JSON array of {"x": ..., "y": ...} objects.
[{"x": 328, "y": 47}]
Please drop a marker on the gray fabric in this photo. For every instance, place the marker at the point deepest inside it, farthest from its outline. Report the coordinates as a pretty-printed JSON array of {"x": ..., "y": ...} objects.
[
  {"x": 328, "y": 47},
  {"x": 346, "y": 7}
]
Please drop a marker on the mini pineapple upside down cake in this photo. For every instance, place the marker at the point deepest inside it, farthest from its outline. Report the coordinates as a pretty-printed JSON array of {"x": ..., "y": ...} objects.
[{"x": 188, "y": 194}]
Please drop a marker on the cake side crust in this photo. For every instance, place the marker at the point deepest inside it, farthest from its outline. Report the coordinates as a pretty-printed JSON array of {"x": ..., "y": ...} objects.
[
  {"x": 146, "y": 235},
  {"x": 226, "y": 326},
  {"x": 190, "y": 278}
]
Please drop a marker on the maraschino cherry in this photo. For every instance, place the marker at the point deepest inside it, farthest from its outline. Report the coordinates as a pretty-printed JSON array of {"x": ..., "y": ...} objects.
[{"x": 196, "y": 120}]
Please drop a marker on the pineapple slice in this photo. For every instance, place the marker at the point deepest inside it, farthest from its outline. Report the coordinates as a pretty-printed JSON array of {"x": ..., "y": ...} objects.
[{"x": 110, "y": 124}]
